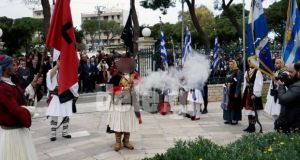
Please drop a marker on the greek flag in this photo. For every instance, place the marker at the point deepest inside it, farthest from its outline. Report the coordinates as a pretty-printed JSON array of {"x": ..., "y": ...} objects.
[
  {"x": 216, "y": 57},
  {"x": 163, "y": 51},
  {"x": 259, "y": 55},
  {"x": 291, "y": 43},
  {"x": 187, "y": 45}
]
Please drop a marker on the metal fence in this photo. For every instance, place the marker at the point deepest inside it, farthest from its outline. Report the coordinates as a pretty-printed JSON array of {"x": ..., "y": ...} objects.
[{"x": 145, "y": 61}]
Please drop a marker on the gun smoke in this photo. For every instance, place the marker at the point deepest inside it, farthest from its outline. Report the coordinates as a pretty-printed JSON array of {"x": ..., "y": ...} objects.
[{"x": 194, "y": 74}]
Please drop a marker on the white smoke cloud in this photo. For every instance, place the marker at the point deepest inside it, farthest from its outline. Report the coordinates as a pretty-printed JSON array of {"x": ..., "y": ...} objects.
[{"x": 195, "y": 73}]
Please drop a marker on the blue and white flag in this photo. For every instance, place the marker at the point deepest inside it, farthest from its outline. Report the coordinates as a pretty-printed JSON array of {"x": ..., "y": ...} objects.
[
  {"x": 163, "y": 51},
  {"x": 291, "y": 43},
  {"x": 259, "y": 55},
  {"x": 187, "y": 45},
  {"x": 216, "y": 57}
]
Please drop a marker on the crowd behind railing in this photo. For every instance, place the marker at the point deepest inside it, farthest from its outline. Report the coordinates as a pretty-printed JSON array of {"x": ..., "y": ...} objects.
[{"x": 95, "y": 70}]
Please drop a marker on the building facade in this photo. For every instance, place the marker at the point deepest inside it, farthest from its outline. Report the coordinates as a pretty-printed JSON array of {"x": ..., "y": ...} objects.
[{"x": 118, "y": 15}]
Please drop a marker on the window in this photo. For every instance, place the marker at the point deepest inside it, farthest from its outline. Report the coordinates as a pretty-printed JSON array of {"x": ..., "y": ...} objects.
[
  {"x": 118, "y": 17},
  {"x": 105, "y": 17},
  {"x": 112, "y": 17}
]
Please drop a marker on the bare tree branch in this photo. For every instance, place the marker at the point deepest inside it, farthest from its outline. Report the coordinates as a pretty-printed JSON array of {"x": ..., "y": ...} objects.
[
  {"x": 223, "y": 4},
  {"x": 229, "y": 3}
]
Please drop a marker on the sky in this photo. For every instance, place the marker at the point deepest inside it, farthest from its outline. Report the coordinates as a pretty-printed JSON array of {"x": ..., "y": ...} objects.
[{"x": 17, "y": 8}]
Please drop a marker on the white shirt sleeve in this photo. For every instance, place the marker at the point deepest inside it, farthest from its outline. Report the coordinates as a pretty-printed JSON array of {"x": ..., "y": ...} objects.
[
  {"x": 50, "y": 82},
  {"x": 29, "y": 91},
  {"x": 245, "y": 81},
  {"x": 74, "y": 89},
  {"x": 258, "y": 84}
]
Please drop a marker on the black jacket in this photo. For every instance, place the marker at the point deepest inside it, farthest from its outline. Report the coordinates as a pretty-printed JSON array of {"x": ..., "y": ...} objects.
[{"x": 290, "y": 101}]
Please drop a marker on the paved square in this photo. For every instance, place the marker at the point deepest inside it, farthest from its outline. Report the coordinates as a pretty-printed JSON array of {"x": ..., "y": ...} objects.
[{"x": 157, "y": 133}]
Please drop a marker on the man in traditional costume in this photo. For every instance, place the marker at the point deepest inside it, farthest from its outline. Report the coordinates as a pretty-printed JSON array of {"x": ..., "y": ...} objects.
[
  {"x": 124, "y": 112},
  {"x": 59, "y": 105},
  {"x": 252, "y": 101},
  {"x": 15, "y": 138},
  {"x": 196, "y": 98},
  {"x": 272, "y": 106},
  {"x": 182, "y": 99}
]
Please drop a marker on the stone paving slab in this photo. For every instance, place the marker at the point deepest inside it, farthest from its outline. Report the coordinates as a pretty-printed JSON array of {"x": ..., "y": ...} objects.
[{"x": 155, "y": 135}]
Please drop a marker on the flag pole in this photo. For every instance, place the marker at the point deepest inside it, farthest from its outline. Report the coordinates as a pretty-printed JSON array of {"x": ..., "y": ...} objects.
[
  {"x": 182, "y": 26},
  {"x": 244, "y": 40}
]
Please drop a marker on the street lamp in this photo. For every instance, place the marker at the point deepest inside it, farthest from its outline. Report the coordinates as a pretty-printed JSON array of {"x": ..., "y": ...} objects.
[
  {"x": 99, "y": 12},
  {"x": 146, "y": 32}
]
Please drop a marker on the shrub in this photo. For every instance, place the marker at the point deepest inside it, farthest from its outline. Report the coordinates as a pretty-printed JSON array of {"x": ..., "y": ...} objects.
[{"x": 268, "y": 146}]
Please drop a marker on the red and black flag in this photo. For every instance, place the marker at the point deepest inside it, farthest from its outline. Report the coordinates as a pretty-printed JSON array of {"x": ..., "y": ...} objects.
[
  {"x": 127, "y": 34},
  {"x": 61, "y": 37}
]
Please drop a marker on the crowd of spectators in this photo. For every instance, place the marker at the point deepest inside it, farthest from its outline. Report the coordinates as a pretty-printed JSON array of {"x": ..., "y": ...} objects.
[{"x": 93, "y": 71}]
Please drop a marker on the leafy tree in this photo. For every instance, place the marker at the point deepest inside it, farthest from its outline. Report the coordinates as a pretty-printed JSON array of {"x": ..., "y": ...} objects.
[
  {"x": 19, "y": 33},
  {"x": 110, "y": 29},
  {"x": 46, "y": 11},
  {"x": 30, "y": 24},
  {"x": 90, "y": 27},
  {"x": 232, "y": 13},
  {"x": 5, "y": 22},
  {"x": 276, "y": 17},
  {"x": 171, "y": 31},
  {"x": 224, "y": 28},
  {"x": 163, "y": 5},
  {"x": 206, "y": 18},
  {"x": 78, "y": 35}
]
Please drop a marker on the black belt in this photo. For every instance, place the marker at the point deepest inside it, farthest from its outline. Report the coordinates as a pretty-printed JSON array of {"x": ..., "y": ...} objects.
[
  {"x": 55, "y": 92},
  {"x": 126, "y": 104},
  {"x": 9, "y": 128}
]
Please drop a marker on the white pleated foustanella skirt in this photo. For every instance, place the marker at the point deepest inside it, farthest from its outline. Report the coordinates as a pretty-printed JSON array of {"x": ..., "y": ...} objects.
[
  {"x": 121, "y": 118},
  {"x": 272, "y": 108},
  {"x": 58, "y": 109},
  {"x": 16, "y": 144},
  {"x": 251, "y": 112},
  {"x": 198, "y": 97}
]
